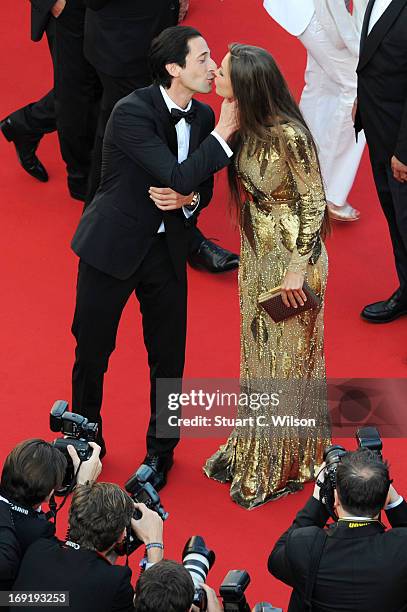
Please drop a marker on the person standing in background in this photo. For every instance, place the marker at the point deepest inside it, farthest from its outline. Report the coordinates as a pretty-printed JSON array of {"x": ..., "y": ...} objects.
[
  {"x": 330, "y": 34},
  {"x": 71, "y": 107},
  {"x": 381, "y": 110}
]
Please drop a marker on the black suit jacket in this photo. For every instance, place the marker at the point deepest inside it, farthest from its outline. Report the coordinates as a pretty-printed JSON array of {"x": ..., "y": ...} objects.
[
  {"x": 382, "y": 83},
  {"x": 10, "y": 552},
  {"x": 40, "y": 14},
  {"x": 363, "y": 568},
  {"x": 118, "y": 33},
  {"x": 139, "y": 151},
  {"x": 93, "y": 583}
]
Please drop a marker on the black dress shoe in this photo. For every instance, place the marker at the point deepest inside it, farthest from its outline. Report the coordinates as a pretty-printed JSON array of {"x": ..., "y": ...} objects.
[
  {"x": 213, "y": 258},
  {"x": 161, "y": 466},
  {"x": 387, "y": 310},
  {"x": 25, "y": 148}
]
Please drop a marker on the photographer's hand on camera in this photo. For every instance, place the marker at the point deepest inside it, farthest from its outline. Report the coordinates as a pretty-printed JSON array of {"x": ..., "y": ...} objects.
[
  {"x": 149, "y": 529},
  {"x": 90, "y": 469},
  {"x": 213, "y": 602},
  {"x": 320, "y": 479}
]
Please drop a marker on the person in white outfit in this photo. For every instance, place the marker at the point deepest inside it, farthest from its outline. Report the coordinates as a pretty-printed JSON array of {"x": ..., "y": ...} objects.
[{"x": 330, "y": 34}]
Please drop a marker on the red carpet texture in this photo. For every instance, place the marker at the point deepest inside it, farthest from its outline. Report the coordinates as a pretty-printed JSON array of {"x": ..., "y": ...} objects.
[{"x": 37, "y": 302}]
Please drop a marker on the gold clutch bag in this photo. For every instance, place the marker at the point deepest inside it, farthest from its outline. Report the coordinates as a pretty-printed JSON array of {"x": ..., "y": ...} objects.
[{"x": 273, "y": 304}]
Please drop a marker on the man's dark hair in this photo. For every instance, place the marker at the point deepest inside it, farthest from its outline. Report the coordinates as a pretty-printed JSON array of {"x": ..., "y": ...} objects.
[
  {"x": 170, "y": 47},
  {"x": 31, "y": 471},
  {"x": 362, "y": 482},
  {"x": 98, "y": 515},
  {"x": 166, "y": 587}
]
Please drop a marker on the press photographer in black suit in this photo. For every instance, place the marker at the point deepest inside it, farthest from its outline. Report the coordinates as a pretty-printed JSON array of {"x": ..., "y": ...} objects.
[
  {"x": 358, "y": 564},
  {"x": 84, "y": 564},
  {"x": 71, "y": 106},
  {"x": 118, "y": 36},
  {"x": 381, "y": 111},
  {"x": 159, "y": 155},
  {"x": 31, "y": 473}
]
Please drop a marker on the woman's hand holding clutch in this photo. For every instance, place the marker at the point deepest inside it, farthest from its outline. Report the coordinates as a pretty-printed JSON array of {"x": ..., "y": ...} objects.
[{"x": 291, "y": 289}]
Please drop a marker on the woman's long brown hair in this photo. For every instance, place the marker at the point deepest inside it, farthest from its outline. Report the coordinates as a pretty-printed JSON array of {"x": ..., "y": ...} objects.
[{"x": 264, "y": 100}]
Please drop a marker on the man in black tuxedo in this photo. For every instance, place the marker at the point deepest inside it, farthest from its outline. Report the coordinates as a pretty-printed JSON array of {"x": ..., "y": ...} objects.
[
  {"x": 159, "y": 154},
  {"x": 358, "y": 565},
  {"x": 382, "y": 112},
  {"x": 71, "y": 106},
  {"x": 118, "y": 36},
  {"x": 84, "y": 564}
]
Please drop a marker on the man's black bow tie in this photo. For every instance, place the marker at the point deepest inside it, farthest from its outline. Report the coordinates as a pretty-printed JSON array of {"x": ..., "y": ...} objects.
[{"x": 177, "y": 115}]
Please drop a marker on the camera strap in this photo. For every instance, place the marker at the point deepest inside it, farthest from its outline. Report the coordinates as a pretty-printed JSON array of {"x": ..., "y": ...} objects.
[{"x": 316, "y": 554}]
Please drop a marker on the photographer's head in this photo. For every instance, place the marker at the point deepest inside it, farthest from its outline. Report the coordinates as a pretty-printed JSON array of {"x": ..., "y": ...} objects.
[
  {"x": 165, "y": 587},
  {"x": 31, "y": 472},
  {"x": 99, "y": 515},
  {"x": 362, "y": 484}
]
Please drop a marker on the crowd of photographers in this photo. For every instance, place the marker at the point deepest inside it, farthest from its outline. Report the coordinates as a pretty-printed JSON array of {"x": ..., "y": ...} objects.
[{"x": 353, "y": 564}]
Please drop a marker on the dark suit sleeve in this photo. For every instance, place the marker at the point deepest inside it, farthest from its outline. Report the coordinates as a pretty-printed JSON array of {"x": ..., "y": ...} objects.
[
  {"x": 96, "y": 5},
  {"x": 314, "y": 514},
  {"x": 135, "y": 134},
  {"x": 44, "y": 6},
  {"x": 10, "y": 552},
  {"x": 205, "y": 189},
  {"x": 398, "y": 516},
  {"x": 401, "y": 146},
  {"x": 123, "y": 600}
]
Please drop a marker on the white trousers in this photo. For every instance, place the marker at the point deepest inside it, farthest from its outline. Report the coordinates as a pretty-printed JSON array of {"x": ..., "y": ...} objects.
[{"x": 326, "y": 103}]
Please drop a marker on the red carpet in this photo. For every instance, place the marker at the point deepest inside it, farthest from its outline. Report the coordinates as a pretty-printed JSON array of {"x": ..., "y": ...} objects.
[{"x": 37, "y": 301}]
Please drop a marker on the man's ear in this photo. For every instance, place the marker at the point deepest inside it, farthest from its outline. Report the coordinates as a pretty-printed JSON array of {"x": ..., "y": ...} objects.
[
  {"x": 173, "y": 69},
  {"x": 121, "y": 537},
  {"x": 336, "y": 498}
]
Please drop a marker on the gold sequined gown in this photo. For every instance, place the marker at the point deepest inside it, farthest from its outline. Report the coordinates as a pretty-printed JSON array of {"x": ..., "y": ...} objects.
[{"x": 280, "y": 230}]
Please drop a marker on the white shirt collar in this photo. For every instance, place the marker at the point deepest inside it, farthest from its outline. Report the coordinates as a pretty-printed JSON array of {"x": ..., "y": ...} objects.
[{"x": 171, "y": 104}]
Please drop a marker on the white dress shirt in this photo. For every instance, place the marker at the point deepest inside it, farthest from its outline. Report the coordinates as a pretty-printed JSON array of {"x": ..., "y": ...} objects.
[
  {"x": 183, "y": 129},
  {"x": 377, "y": 11}
]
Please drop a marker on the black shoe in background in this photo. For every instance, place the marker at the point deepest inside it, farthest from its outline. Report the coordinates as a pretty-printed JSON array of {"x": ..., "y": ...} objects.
[
  {"x": 213, "y": 258},
  {"x": 387, "y": 310},
  {"x": 25, "y": 149}
]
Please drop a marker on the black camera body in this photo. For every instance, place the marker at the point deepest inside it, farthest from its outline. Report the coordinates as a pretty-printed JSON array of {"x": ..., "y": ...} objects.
[
  {"x": 141, "y": 491},
  {"x": 232, "y": 591},
  {"x": 366, "y": 437},
  {"x": 77, "y": 431}
]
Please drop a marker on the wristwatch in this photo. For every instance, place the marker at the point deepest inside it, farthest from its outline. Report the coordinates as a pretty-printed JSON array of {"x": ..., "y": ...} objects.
[{"x": 195, "y": 201}]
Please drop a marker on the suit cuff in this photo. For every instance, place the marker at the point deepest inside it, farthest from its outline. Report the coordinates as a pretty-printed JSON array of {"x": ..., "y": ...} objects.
[
  {"x": 394, "y": 504},
  {"x": 223, "y": 144},
  {"x": 188, "y": 212}
]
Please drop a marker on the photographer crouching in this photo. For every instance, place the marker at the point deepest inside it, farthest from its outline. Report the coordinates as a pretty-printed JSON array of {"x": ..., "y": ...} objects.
[
  {"x": 356, "y": 564},
  {"x": 100, "y": 517},
  {"x": 31, "y": 473}
]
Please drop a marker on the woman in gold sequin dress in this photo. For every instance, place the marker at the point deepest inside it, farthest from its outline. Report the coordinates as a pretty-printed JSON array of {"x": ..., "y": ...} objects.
[{"x": 276, "y": 184}]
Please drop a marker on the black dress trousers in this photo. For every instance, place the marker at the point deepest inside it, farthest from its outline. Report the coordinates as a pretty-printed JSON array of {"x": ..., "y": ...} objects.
[
  {"x": 32, "y": 121},
  {"x": 393, "y": 199},
  {"x": 99, "y": 305},
  {"x": 77, "y": 92}
]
